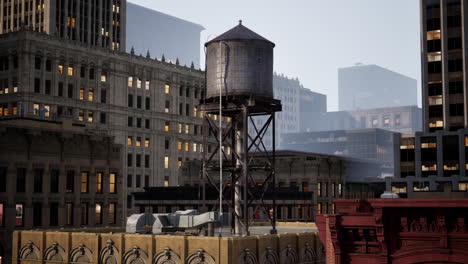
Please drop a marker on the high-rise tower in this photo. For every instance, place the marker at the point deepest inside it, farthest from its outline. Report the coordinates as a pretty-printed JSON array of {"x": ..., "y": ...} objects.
[{"x": 92, "y": 22}]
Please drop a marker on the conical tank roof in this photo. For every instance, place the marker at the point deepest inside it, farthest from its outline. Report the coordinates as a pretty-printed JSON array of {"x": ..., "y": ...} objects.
[{"x": 239, "y": 32}]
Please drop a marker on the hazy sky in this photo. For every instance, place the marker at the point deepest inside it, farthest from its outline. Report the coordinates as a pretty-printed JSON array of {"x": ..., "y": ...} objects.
[{"x": 314, "y": 38}]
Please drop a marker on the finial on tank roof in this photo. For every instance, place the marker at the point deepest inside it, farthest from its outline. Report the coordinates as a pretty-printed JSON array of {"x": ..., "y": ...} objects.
[{"x": 240, "y": 21}]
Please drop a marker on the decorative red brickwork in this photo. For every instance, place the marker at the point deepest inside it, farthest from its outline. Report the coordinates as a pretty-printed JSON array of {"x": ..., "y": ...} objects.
[{"x": 396, "y": 231}]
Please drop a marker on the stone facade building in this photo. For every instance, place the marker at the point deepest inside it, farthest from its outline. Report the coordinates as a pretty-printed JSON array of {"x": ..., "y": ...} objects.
[
  {"x": 56, "y": 174},
  {"x": 149, "y": 106}
]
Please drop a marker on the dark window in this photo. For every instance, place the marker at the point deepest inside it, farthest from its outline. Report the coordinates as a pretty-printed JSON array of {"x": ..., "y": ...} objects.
[
  {"x": 130, "y": 121},
  {"x": 138, "y": 181},
  {"x": 60, "y": 89},
  {"x": 54, "y": 214},
  {"x": 147, "y": 103},
  {"x": 139, "y": 101},
  {"x": 83, "y": 71},
  {"x": 54, "y": 181},
  {"x": 91, "y": 74},
  {"x": 435, "y": 111},
  {"x": 455, "y": 65},
  {"x": 20, "y": 180},
  {"x": 3, "y": 179},
  {"x": 129, "y": 180},
  {"x": 434, "y": 45},
  {"x": 187, "y": 92},
  {"x": 70, "y": 90},
  {"x": 434, "y": 67},
  {"x": 138, "y": 122},
  {"x": 181, "y": 91},
  {"x": 37, "y": 63},
  {"x": 147, "y": 161},
  {"x": 48, "y": 85},
  {"x": 129, "y": 160},
  {"x": 181, "y": 109},
  {"x": 435, "y": 88},
  {"x": 130, "y": 100},
  {"x": 147, "y": 123},
  {"x": 70, "y": 185},
  {"x": 103, "y": 118},
  {"x": 138, "y": 160},
  {"x": 37, "y": 85},
  {"x": 187, "y": 109},
  {"x": 456, "y": 109},
  {"x": 453, "y": 21},
  {"x": 166, "y": 144},
  {"x": 84, "y": 213},
  {"x": 37, "y": 214},
  {"x": 454, "y": 43},
  {"x": 103, "y": 96},
  {"x": 456, "y": 87},
  {"x": 146, "y": 181},
  {"x": 38, "y": 179},
  {"x": 433, "y": 24},
  {"x": 48, "y": 65}
]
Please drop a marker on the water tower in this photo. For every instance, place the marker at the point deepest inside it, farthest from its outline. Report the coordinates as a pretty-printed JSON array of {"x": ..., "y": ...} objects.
[{"x": 239, "y": 79}]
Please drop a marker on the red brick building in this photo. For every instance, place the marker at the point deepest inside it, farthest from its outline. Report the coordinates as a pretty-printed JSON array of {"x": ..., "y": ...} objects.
[{"x": 396, "y": 231}]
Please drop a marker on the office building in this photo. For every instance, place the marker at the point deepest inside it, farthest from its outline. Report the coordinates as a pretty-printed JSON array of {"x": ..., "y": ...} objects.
[
  {"x": 93, "y": 23},
  {"x": 371, "y": 86},
  {"x": 295, "y": 99},
  {"x": 428, "y": 160},
  {"x": 161, "y": 34},
  {"x": 403, "y": 119},
  {"x": 372, "y": 145},
  {"x": 57, "y": 174}
]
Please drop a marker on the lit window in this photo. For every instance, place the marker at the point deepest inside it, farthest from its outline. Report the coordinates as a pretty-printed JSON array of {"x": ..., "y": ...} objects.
[
  {"x": 70, "y": 70},
  {"x": 103, "y": 77},
  {"x": 90, "y": 116},
  {"x": 36, "y": 109},
  {"x": 166, "y": 162},
  {"x": 47, "y": 110},
  {"x": 81, "y": 115},
  {"x": 138, "y": 83},
  {"x": 99, "y": 182},
  {"x": 90, "y": 94},
  {"x": 194, "y": 148},
  {"x": 167, "y": 89},
  {"x": 319, "y": 208},
  {"x": 453, "y": 167},
  {"x": 462, "y": 186},
  {"x": 195, "y": 112},
  {"x": 429, "y": 145},
  {"x": 84, "y": 182},
  {"x": 333, "y": 208},
  {"x": 138, "y": 142},
  {"x": 166, "y": 183},
  {"x": 179, "y": 163},
  {"x": 1, "y": 214},
  {"x": 187, "y": 129},
  {"x": 98, "y": 213},
  {"x": 147, "y": 143},
  {"x": 433, "y": 35},
  {"x": 167, "y": 126},
  {"x": 179, "y": 145},
  {"x": 130, "y": 81},
  {"x": 73, "y": 22},
  {"x": 60, "y": 69},
  {"x": 375, "y": 122},
  {"x": 4, "y": 110},
  {"x": 147, "y": 85},
  {"x": 399, "y": 188},
  {"x": 201, "y": 148},
  {"x": 166, "y": 109},
  {"x": 319, "y": 189},
  {"x": 180, "y": 128},
  {"x": 187, "y": 146},
  {"x": 82, "y": 93},
  {"x": 466, "y": 141},
  {"x": 112, "y": 183},
  {"x": 438, "y": 123},
  {"x": 129, "y": 141},
  {"x": 15, "y": 109},
  {"x": 435, "y": 100},
  {"x": 386, "y": 121},
  {"x": 432, "y": 167},
  {"x": 434, "y": 56}
]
